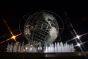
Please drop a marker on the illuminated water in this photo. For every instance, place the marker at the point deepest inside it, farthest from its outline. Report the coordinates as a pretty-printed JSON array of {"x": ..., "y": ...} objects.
[{"x": 56, "y": 47}]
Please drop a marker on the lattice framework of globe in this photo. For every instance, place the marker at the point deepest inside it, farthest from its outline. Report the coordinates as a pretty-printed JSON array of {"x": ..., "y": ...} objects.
[{"x": 41, "y": 28}]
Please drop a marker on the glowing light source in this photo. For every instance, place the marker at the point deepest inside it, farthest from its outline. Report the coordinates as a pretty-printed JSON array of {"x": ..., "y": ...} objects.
[
  {"x": 78, "y": 44},
  {"x": 77, "y": 36},
  {"x": 13, "y": 37}
]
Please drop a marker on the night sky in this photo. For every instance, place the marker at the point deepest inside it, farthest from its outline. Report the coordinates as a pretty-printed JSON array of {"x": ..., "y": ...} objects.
[{"x": 15, "y": 15}]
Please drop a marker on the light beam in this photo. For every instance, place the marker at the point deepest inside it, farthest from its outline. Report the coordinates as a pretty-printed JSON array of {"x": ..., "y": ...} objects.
[
  {"x": 76, "y": 38},
  {"x": 13, "y": 37}
]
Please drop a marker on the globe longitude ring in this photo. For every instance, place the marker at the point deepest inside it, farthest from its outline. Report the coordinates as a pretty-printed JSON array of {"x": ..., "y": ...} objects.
[{"x": 41, "y": 27}]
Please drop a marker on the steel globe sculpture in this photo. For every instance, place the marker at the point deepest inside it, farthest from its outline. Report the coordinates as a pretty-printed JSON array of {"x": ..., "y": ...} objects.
[{"x": 41, "y": 28}]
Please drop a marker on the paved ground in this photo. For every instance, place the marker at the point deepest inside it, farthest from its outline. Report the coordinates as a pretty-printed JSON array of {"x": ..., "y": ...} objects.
[{"x": 5, "y": 55}]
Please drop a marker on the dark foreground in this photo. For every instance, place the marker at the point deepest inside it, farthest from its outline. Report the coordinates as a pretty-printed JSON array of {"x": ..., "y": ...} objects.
[{"x": 5, "y": 55}]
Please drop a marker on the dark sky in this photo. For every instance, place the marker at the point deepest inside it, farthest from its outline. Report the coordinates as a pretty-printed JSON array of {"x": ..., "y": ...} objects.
[{"x": 78, "y": 16}]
